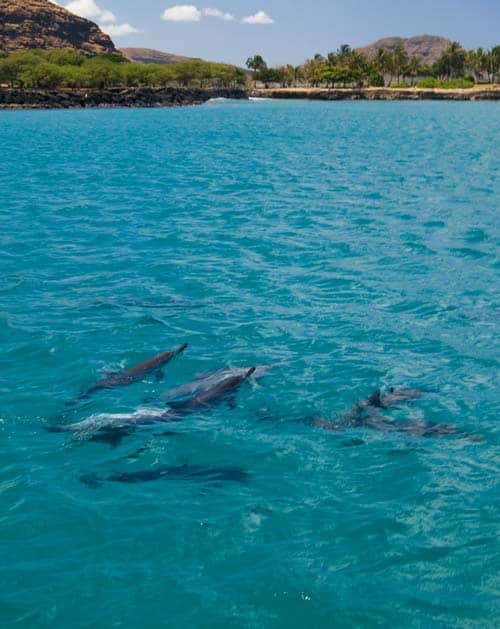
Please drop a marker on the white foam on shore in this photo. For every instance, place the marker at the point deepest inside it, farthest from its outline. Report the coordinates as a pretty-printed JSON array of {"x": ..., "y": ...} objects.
[{"x": 230, "y": 101}]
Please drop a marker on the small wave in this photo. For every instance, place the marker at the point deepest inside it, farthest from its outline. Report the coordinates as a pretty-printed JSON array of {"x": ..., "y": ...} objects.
[
  {"x": 149, "y": 320},
  {"x": 221, "y": 99}
]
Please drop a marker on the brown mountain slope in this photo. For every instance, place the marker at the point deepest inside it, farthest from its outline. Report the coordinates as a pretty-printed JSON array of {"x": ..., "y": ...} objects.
[
  {"x": 42, "y": 24},
  {"x": 147, "y": 55},
  {"x": 429, "y": 47}
]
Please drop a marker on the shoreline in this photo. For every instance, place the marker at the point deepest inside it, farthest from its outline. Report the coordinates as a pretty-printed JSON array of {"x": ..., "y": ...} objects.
[
  {"x": 13, "y": 99},
  {"x": 490, "y": 93},
  {"x": 19, "y": 99}
]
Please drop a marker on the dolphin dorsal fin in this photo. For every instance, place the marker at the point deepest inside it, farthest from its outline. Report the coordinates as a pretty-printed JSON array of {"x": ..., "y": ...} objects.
[{"x": 375, "y": 399}]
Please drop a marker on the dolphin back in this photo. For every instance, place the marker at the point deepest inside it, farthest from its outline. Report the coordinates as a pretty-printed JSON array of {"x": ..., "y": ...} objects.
[
  {"x": 396, "y": 396},
  {"x": 153, "y": 363},
  {"x": 128, "y": 376},
  {"x": 212, "y": 396},
  {"x": 205, "y": 381},
  {"x": 375, "y": 399}
]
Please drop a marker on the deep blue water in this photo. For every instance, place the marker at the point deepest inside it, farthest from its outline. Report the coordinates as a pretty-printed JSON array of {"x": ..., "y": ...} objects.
[{"x": 357, "y": 244}]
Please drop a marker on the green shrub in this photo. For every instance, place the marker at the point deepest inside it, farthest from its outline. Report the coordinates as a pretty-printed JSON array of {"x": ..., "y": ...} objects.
[
  {"x": 65, "y": 57},
  {"x": 376, "y": 80},
  {"x": 49, "y": 69},
  {"x": 42, "y": 75},
  {"x": 401, "y": 85},
  {"x": 446, "y": 85}
]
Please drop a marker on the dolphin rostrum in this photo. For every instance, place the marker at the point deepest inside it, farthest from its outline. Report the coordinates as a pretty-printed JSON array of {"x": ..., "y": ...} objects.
[
  {"x": 111, "y": 427},
  {"x": 181, "y": 472},
  {"x": 133, "y": 374}
]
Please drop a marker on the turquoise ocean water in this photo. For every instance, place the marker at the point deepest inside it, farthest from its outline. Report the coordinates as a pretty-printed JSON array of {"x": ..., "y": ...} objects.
[{"x": 356, "y": 244}]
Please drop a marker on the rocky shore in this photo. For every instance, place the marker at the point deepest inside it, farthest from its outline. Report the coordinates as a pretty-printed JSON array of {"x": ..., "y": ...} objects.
[
  {"x": 178, "y": 97},
  {"x": 116, "y": 97},
  {"x": 380, "y": 93}
]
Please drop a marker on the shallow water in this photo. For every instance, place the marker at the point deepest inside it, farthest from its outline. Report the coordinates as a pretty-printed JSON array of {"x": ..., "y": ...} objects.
[{"x": 357, "y": 244}]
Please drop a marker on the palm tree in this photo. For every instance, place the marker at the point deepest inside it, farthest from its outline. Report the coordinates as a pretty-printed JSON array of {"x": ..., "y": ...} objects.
[
  {"x": 310, "y": 69},
  {"x": 357, "y": 65},
  {"x": 297, "y": 74},
  {"x": 472, "y": 62},
  {"x": 257, "y": 64},
  {"x": 414, "y": 68},
  {"x": 493, "y": 63},
  {"x": 381, "y": 62},
  {"x": 452, "y": 62},
  {"x": 331, "y": 59},
  {"x": 457, "y": 55},
  {"x": 289, "y": 75},
  {"x": 400, "y": 60},
  {"x": 343, "y": 55}
]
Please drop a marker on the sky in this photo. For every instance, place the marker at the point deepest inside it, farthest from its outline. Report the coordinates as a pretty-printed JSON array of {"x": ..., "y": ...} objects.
[{"x": 284, "y": 31}]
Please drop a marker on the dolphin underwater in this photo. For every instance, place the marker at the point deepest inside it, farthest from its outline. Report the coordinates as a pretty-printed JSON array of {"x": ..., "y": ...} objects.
[
  {"x": 182, "y": 472},
  {"x": 133, "y": 374},
  {"x": 113, "y": 428},
  {"x": 365, "y": 414}
]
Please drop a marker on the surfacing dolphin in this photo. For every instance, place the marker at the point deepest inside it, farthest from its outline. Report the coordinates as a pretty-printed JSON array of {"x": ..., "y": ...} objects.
[
  {"x": 199, "y": 473},
  {"x": 206, "y": 381},
  {"x": 113, "y": 427},
  {"x": 132, "y": 374},
  {"x": 366, "y": 414},
  {"x": 370, "y": 405},
  {"x": 224, "y": 389}
]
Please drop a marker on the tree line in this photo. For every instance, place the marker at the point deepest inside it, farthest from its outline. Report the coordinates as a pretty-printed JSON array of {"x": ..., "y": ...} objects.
[
  {"x": 52, "y": 69},
  {"x": 348, "y": 67}
]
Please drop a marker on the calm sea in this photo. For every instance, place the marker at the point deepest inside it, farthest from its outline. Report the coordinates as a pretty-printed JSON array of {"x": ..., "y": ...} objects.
[{"x": 356, "y": 244}]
